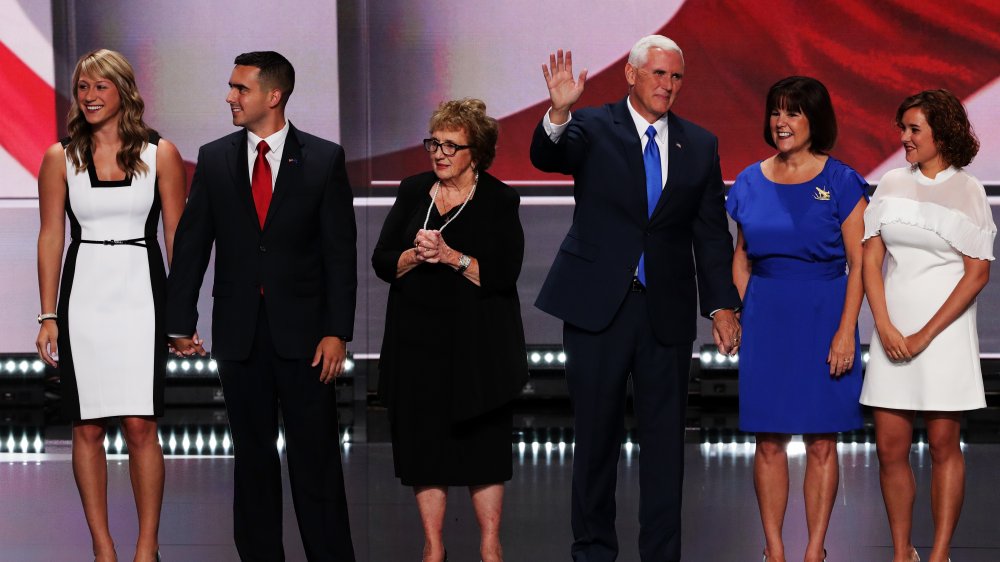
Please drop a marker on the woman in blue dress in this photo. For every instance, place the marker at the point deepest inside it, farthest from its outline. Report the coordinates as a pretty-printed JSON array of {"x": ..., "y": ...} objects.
[{"x": 798, "y": 269}]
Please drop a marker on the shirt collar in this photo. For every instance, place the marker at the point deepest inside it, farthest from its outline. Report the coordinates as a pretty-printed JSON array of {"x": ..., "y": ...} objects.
[
  {"x": 275, "y": 142},
  {"x": 941, "y": 176},
  {"x": 641, "y": 124}
]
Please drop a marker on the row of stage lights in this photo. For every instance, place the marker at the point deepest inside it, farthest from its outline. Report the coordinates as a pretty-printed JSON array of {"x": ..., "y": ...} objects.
[
  {"x": 712, "y": 359},
  {"x": 21, "y": 366},
  {"x": 546, "y": 358},
  {"x": 186, "y": 442},
  {"x": 538, "y": 358},
  {"x": 201, "y": 367},
  {"x": 200, "y": 442}
]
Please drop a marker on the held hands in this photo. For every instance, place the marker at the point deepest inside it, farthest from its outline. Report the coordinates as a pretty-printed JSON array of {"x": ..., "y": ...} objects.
[
  {"x": 431, "y": 248},
  {"x": 564, "y": 91},
  {"x": 895, "y": 345},
  {"x": 47, "y": 343},
  {"x": 726, "y": 331},
  {"x": 841, "y": 356},
  {"x": 331, "y": 351},
  {"x": 917, "y": 342},
  {"x": 186, "y": 347}
]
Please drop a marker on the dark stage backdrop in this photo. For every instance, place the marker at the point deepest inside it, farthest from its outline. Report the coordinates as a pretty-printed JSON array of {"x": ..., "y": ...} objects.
[{"x": 370, "y": 72}]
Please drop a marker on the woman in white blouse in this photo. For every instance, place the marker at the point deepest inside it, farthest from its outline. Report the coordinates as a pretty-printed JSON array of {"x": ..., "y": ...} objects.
[{"x": 933, "y": 222}]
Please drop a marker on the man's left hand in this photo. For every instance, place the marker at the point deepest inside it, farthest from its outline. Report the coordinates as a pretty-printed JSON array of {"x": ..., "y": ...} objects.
[
  {"x": 726, "y": 331},
  {"x": 331, "y": 352}
]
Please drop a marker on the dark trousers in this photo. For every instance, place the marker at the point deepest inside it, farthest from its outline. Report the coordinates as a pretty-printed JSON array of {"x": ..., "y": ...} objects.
[
  {"x": 254, "y": 390},
  {"x": 598, "y": 365}
]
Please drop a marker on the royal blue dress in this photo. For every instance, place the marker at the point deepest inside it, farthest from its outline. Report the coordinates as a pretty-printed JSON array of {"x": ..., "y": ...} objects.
[{"x": 794, "y": 300}]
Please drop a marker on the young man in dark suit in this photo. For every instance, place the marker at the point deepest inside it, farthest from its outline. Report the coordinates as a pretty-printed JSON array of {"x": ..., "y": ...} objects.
[
  {"x": 276, "y": 203},
  {"x": 649, "y": 237}
]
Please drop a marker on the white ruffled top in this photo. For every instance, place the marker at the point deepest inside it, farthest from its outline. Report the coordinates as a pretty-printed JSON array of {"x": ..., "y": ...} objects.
[{"x": 953, "y": 205}]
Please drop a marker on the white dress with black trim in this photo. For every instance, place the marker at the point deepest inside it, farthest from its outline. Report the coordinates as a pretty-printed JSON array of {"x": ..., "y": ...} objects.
[
  {"x": 112, "y": 345},
  {"x": 927, "y": 227}
]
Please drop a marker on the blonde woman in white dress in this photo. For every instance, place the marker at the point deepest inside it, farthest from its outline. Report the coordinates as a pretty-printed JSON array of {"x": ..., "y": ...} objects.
[
  {"x": 932, "y": 223},
  {"x": 114, "y": 179}
]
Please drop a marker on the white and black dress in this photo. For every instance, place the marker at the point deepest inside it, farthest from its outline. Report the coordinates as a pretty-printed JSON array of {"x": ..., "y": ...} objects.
[{"x": 112, "y": 343}]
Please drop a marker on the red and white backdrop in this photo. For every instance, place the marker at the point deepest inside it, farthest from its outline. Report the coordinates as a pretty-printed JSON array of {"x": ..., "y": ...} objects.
[{"x": 370, "y": 73}]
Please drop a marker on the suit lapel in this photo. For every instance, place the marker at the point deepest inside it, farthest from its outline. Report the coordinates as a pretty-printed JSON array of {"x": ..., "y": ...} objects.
[
  {"x": 676, "y": 142},
  {"x": 289, "y": 173},
  {"x": 635, "y": 184},
  {"x": 240, "y": 173}
]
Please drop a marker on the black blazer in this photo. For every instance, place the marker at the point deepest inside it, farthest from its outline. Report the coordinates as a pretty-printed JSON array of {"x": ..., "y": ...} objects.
[
  {"x": 687, "y": 240},
  {"x": 304, "y": 257}
]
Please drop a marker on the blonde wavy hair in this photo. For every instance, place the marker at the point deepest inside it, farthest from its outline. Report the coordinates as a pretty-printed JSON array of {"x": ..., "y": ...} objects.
[{"x": 134, "y": 133}]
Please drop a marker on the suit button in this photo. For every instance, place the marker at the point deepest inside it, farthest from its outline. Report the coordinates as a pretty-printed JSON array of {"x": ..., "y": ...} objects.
[{"x": 262, "y": 248}]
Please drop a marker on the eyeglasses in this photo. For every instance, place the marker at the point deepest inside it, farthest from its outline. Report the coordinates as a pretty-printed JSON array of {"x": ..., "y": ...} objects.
[{"x": 448, "y": 148}]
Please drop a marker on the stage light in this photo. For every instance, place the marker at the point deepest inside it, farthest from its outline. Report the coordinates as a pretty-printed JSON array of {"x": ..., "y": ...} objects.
[
  {"x": 213, "y": 365},
  {"x": 281, "y": 441},
  {"x": 562, "y": 357},
  {"x": 535, "y": 357},
  {"x": 348, "y": 365},
  {"x": 171, "y": 365},
  {"x": 10, "y": 365},
  {"x": 199, "y": 365},
  {"x": 38, "y": 366}
]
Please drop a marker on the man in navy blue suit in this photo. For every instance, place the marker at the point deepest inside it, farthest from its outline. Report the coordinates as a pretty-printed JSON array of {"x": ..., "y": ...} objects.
[{"x": 649, "y": 240}]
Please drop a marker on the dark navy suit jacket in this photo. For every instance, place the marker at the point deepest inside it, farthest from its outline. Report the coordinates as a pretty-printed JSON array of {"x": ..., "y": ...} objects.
[
  {"x": 687, "y": 242},
  {"x": 305, "y": 256}
]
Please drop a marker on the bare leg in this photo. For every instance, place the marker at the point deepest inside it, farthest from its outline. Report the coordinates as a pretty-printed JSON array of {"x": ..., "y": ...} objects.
[
  {"x": 90, "y": 468},
  {"x": 432, "y": 502},
  {"x": 893, "y": 435},
  {"x": 145, "y": 468},
  {"x": 819, "y": 489},
  {"x": 488, "y": 502},
  {"x": 770, "y": 478},
  {"x": 947, "y": 478}
]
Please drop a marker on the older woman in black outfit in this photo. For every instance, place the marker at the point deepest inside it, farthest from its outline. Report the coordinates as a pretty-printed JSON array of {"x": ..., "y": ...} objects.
[{"x": 453, "y": 354}]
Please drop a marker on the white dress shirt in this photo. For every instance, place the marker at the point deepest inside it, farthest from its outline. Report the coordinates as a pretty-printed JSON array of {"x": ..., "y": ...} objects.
[{"x": 275, "y": 143}]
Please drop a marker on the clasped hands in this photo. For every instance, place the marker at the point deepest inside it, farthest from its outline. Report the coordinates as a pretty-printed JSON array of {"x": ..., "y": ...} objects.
[
  {"x": 429, "y": 247},
  {"x": 899, "y": 347},
  {"x": 726, "y": 331},
  {"x": 186, "y": 347}
]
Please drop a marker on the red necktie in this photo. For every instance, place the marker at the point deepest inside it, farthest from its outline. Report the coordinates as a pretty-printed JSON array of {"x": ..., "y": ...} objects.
[{"x": 260, "y": 183}]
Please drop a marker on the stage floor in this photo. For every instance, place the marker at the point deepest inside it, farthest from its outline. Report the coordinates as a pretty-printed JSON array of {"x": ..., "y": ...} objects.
[{"x": 42, "y": 519}]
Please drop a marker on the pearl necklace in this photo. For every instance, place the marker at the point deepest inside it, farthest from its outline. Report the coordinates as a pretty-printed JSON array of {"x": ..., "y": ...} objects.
[{"x": 437, "y": 188}]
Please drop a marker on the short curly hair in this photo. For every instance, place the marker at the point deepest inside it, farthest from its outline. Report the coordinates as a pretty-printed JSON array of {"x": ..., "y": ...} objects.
[
  {"x": 949, "y": 122},
  {"x": 469, "y": 115}
]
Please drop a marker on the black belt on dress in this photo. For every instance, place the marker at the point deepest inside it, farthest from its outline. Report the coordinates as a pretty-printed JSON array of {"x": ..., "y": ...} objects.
[{"x": 140, "y": 242}]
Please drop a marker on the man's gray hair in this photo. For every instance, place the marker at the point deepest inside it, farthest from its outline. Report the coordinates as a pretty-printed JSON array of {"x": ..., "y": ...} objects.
[{"x": 640, "y": 51}]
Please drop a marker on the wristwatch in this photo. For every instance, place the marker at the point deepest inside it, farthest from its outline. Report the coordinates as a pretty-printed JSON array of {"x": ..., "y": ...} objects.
[
  {"x": 47, "y": 316},
  {"x": 464, "y": 262}
]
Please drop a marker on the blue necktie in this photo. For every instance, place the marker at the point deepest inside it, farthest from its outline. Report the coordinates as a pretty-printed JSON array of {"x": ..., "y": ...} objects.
[{"x": 654, "y": 186}]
